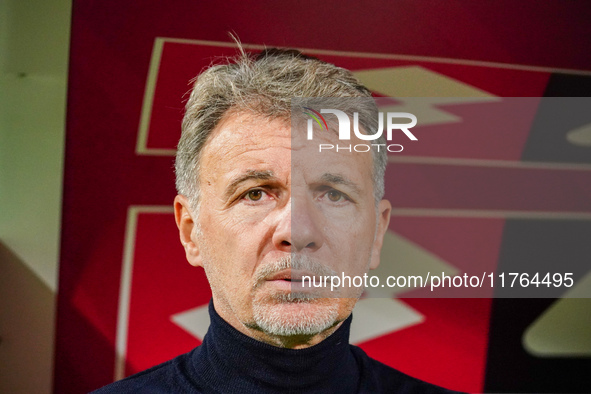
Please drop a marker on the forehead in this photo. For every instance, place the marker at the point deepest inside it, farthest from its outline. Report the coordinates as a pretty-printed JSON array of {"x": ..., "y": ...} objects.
[
  {"x": 243, "y": 140},
  {"x": 242, "y": 132}
]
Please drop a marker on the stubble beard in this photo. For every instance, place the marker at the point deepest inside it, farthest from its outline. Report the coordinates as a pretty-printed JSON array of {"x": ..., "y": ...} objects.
[
  {"x": 293, "y": 313},
  {"x": 282, "y": 314}
]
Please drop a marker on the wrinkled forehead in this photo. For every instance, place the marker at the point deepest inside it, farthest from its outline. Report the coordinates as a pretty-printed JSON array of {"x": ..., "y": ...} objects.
[
  {"x": 325, "y": 153},
  {"x": 249, "y": 140},
  {"x": 244, "y": 131}
]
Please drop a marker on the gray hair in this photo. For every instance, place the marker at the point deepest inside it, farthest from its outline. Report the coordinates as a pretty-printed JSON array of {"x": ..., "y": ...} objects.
[{"x": 263, "y": 85}]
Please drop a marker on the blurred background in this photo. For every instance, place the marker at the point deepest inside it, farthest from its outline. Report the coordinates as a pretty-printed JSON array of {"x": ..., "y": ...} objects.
[
  {"x": 88, "y": 234},
  {"x": 34, "y": 42}
]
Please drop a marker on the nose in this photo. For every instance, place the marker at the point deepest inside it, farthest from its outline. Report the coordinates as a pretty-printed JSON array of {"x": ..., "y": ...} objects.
[{"x": 299, "y": 227}]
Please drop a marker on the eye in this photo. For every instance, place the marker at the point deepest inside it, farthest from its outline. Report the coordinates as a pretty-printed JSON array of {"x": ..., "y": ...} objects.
[
  {"x": 254, "y": 195},
  {"x": 335, "y": 195}
]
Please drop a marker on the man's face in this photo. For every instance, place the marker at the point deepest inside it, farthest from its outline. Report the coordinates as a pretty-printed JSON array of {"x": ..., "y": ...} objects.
[{"x": 271, "y": 209}]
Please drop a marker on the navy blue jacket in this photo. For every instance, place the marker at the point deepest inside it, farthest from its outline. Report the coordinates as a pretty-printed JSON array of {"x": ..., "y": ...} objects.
[{"x": 231, "y": 362}]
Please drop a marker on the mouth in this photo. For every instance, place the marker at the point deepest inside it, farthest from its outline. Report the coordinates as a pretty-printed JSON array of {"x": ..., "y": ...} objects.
[
  {"x": 290, "y": 275},
  {"x": 290, "y": 281},
  {"x": 298, "y": 284}
]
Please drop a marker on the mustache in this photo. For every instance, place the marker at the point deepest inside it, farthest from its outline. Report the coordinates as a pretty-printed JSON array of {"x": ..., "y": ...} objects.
[{"x": 295, "y": 262}]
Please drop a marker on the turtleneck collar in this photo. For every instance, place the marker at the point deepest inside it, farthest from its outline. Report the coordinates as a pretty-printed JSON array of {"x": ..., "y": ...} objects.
[{"x": 230, "y": 361}]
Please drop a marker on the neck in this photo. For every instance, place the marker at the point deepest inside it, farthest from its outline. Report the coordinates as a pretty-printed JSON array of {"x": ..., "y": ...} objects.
[{"x": 229, "y": 360}]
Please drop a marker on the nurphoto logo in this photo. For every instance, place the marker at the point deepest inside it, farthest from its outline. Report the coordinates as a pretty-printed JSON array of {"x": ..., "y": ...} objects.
[{"x": 344, "y": 122}]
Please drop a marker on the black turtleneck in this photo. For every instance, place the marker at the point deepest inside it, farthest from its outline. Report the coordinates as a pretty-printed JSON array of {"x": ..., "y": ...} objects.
[{"x": 230, "y": 362}]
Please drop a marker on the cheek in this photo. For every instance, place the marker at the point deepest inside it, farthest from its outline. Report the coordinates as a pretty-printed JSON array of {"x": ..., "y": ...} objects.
[
  {"x": 351, "y": 246},
  {"x": 239, "y": 236},
  {"x": 354, "y": 232},
  {"x": 235, "y": 244}
]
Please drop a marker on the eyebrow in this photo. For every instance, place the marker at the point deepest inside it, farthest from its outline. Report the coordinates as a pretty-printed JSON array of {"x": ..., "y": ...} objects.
[
  {"x": 247, "y": 176},
  {"x": 337, "y": 179}
]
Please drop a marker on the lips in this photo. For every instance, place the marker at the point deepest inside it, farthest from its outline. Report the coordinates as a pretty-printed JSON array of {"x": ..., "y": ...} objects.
[{"x": 291, "y": 275}]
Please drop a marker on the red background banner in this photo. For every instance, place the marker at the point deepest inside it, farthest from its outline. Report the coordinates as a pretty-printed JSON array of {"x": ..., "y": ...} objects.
[{"x": 111, "y": 52}]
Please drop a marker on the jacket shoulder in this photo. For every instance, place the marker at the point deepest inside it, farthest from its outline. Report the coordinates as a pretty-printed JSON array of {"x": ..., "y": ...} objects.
[
  {"x": 168, "y": 377},
  {"x": 377, "y": 377}
]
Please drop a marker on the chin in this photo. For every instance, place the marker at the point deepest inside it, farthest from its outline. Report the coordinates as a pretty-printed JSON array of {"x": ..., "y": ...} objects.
[{"x": 290, "y": 314}]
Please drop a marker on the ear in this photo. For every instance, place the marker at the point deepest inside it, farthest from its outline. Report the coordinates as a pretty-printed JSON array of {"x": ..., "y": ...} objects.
[
  {"x": 187, "y": 230},
  {"x": 384, "y": 212}
]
